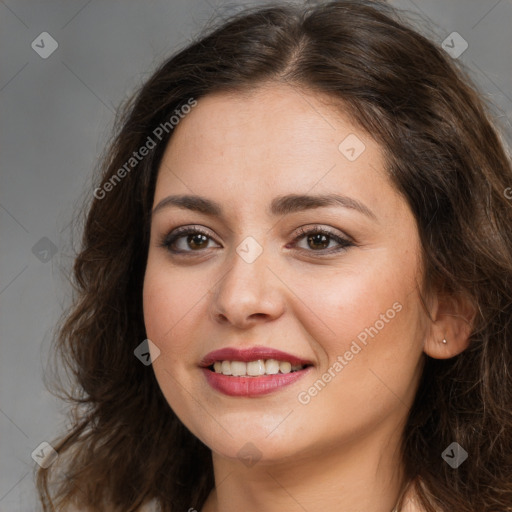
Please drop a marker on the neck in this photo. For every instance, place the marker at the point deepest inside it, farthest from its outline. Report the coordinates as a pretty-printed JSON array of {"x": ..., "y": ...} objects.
[{"x": 363, "y": 475}]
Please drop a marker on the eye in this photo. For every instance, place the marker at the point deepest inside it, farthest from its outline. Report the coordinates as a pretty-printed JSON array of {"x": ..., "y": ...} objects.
[
  {"x": 318, "y": 239},
  {"x": 186, "y": 239}
]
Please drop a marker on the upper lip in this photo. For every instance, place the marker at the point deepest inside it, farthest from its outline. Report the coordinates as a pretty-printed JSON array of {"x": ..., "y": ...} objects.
[{"x": 250, "y": 354}]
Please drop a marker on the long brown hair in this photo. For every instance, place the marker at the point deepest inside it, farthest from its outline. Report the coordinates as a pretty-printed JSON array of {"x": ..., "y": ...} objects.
[{"x": 125, "y": 446}]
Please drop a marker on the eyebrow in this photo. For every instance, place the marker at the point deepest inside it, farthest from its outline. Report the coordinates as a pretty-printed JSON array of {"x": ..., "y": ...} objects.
[{"x": 282, "y": 205}]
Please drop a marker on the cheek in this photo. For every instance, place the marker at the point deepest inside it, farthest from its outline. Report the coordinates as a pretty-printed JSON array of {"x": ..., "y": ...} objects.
[
  {"x": 366, "y": 325},
  {"x": 169, "y": 297},
  {"x": 376, "y": 346},
  {"x": 339, "y": 306}
]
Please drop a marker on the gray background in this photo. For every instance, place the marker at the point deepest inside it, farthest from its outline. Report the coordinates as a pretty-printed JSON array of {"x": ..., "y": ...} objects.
[{"x": 55, "y": 116}]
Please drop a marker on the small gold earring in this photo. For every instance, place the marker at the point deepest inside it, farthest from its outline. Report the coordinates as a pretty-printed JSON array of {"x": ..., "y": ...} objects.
[{"x": 444, "y": 341}]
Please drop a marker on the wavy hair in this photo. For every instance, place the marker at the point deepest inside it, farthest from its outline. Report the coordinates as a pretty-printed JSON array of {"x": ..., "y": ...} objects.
[{"x": 125, "y": 446}]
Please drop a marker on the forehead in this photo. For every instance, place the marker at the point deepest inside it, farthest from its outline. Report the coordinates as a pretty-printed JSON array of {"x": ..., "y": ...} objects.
[
  {"x": 284, "y": 120},
  {"x": 270, "y": 141}
]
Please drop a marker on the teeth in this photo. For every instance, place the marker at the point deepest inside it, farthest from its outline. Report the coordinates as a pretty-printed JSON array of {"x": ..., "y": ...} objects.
[
  {"x": 272, "y": 366},
  {"x": 226, "y": 368},
  {"x": 238, "y": 368},
  {"x": 255, "y": 368},
  {"x": 285, "y": 367}
]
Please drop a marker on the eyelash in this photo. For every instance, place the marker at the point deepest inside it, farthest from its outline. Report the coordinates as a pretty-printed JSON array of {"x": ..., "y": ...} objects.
[{"x": 178, "y": 233}]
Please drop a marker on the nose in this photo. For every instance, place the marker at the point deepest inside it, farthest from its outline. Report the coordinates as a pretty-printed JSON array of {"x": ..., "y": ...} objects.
[{"x": 248, "y": 293}]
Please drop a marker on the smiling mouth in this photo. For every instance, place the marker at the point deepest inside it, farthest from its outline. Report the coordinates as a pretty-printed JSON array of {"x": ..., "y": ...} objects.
[{"x": 257, "y": 368}]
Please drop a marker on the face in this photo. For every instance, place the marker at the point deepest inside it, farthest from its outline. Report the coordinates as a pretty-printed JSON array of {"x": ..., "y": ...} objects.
[{"x": 334, "y": 284}]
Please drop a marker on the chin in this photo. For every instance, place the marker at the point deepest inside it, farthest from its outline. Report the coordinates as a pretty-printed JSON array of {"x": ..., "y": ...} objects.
[{"x": 251, "y": 444}]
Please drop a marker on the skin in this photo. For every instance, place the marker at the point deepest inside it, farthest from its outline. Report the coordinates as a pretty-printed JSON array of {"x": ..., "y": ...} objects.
[{"x": 340, "y": 451}]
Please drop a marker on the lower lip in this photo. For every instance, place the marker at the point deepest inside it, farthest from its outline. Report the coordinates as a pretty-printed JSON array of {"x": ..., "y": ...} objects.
[{"x": 252, "y": 386}]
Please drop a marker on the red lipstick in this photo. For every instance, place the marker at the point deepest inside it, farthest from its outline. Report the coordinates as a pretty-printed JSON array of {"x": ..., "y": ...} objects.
[
  {"x": 248, "y": 386},
  {"x": 250, "y": 354}
]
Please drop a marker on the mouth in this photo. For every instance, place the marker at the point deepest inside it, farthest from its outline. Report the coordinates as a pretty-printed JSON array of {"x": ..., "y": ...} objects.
[
  {"x": 256, "y": 368},
  {"x": 253, "y": 371},
  {"x": 252, "y": 361}
]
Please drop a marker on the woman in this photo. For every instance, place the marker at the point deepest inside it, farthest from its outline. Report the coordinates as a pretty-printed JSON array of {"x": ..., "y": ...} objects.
[{"x": 294, "y": 288}]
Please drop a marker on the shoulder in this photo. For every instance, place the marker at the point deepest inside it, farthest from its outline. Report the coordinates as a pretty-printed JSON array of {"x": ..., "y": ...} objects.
[
  {"x": 411, "y": 501},
  {"x": 151, "y": 506}
]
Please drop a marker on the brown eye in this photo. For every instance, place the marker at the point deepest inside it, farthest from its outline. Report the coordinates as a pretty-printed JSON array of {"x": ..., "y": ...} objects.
[
  {"x": 318, "y": 241},
  {"x": 186, "y": 239},
  {"x": 198, "y": 241},
  {"x": 321, "y": 240}
]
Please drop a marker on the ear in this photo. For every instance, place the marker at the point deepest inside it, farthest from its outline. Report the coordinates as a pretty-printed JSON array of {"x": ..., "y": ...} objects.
[{"x": 452, "y": 320}]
